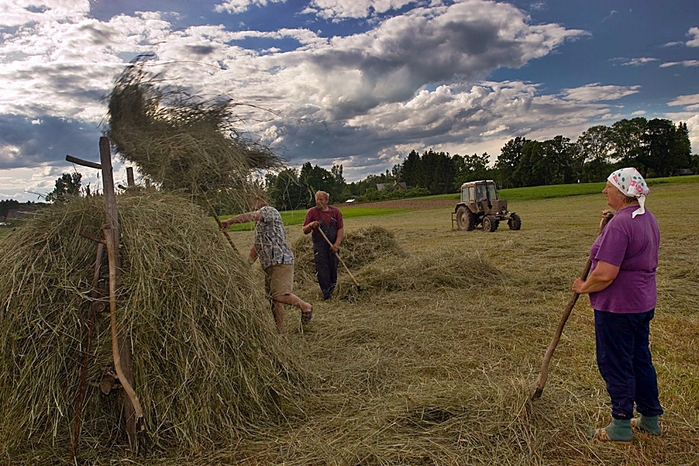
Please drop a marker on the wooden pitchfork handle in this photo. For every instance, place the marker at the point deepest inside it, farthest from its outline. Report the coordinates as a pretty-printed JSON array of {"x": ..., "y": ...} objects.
[
  {"x": 606, "y": 216},
  {"x": 338, "y": 257},
  {"x": 218, "y": 222}
]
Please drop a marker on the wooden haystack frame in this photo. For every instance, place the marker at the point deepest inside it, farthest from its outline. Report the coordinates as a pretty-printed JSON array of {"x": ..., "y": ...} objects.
[
  {"x": 174, "y": 317},
  {"x": 207, "y": 363}
]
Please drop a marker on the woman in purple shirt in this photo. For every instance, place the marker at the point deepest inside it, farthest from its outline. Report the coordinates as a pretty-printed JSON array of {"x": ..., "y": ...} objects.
[{"x": 623, "y": 294}]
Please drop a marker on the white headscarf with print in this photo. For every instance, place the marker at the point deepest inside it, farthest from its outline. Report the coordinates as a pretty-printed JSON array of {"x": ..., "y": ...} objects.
[{"x": 630, "y": 182}]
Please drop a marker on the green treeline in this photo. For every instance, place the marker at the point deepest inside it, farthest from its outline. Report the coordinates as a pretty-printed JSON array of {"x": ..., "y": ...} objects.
[{"x": 655, "y": 147}]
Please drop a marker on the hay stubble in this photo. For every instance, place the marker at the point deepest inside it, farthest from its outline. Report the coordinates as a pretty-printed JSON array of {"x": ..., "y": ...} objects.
[{"x": 435, "y": 359}]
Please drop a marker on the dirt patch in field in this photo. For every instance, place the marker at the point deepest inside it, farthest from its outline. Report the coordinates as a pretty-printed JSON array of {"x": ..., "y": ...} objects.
[{"x": 414, "y": 204}]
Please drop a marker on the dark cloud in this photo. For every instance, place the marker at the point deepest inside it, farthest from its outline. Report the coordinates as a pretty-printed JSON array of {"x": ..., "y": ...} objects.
[
  {"x": 201, "y": 50},
  {"x": 463, "y": 42},
  {"x": 46, "y": 139}
]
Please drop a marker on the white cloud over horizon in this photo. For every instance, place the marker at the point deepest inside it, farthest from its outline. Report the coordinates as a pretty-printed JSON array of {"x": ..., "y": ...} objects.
[{"x": 395, "y": 82}]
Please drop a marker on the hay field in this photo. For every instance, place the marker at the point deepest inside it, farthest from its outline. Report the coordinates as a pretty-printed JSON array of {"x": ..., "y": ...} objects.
[
  {"x": 439, "y": 369},
  {"x": 434, "y": 360}
]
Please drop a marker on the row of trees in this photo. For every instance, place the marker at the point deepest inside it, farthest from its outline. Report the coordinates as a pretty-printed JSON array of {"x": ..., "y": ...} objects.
[
  {"x": 6, "y": 206},
  {"x": 655, "y": 147}
]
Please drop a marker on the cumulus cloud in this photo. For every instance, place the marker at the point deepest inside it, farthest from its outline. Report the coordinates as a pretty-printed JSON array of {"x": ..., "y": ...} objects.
[
  {"x": 596, "y": 92},
  {"x": 32, "y": 142},
  {"x": 64, "y": 66},
  {"x": 21, "y": 12},
  {"x": 690, "y": 102},
  {"x": 392, "y": 62},
  {"x": 694, "y": 42},
  {"x": 415, "y": 80},
  {"x": 343, "y": 9},
  {"x": 685, "y": 63},
  {"x": 241, "y": 6},
  {"x": 456, "y": 119}
]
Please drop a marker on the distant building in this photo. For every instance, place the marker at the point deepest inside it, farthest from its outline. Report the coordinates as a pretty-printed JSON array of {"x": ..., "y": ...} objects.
[
  {"x": 19, "y": 214},
  {"x": 683, "y": 171},
  {"x": 400, "y": 185}
]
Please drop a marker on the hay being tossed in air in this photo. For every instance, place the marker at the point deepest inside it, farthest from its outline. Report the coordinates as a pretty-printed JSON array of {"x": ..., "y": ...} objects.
[
  {"x": 183, "y": 142},
  {"x": 207, "y": 362}
]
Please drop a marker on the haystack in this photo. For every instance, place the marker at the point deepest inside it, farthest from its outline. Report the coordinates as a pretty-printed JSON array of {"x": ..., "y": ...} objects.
[{"x": 207, "y": 362}]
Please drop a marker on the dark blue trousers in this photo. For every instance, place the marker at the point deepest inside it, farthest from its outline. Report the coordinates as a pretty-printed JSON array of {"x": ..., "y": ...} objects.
[
  {"x": 326, "y": 268},
  {"x": 624, "y": 361}
]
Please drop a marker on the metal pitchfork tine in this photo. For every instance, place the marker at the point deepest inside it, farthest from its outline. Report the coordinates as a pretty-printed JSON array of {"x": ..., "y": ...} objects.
[{"x": 564, "y": 318}]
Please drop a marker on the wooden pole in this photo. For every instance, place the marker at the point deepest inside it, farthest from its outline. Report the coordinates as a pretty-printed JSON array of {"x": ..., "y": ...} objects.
[
  {"x": 121, "y": 344},
  {"x": 339, "y": 258},
  {"x": 564, "y": 318},
  {"x": 212, "y": 211},
  {"x": 86, "y": 354}
]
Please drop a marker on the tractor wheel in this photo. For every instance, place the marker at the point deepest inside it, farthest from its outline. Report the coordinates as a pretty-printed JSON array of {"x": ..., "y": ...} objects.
[
  {"x": 462, "y": 222},
  {"x": 514, "y": 222},
  {"x": 472, "y": 221},
  {"x": 490, "y": 223}
]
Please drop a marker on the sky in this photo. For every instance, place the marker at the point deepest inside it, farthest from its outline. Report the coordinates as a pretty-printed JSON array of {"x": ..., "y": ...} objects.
[{"x": 357, "y": 83}]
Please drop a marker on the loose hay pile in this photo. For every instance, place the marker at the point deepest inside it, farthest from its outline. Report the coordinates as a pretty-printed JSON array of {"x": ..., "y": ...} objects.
[
  {"x": 358, "y": 249},
  {"x": 446, "y": 269},
  {"x": 207, "y": 363},
  {"x": 379, "y": 264}
]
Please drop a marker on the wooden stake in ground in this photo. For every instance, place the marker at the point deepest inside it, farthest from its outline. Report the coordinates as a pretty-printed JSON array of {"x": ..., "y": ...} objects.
[
  {"x": 339, "y": 258},
  {"x": 86, "y": 354},
  {"x": 121, "y": 345},
  {"x": 564, "y": 318}
]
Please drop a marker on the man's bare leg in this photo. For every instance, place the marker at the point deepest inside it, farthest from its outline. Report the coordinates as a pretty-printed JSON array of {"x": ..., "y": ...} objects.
[
  {"x": 294, "y": 300},
  {"x": 278, "y": 313}
]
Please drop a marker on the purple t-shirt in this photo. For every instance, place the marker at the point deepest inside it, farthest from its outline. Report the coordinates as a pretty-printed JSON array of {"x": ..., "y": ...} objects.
[{"x": 632, "y": 244}]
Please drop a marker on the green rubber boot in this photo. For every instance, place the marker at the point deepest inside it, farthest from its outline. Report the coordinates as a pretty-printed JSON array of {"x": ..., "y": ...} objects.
[
  {"x": 647, "y": 424},
  {"x": 618, "y": 431}
]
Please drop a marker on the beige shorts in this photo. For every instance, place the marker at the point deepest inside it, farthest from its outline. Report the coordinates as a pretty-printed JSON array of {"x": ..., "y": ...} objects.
[{"x": 279, "y": 280}]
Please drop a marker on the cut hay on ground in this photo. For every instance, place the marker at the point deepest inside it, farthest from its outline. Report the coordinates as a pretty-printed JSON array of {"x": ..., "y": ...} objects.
[
  {"x": 378, "y": 262},
  {"x": 359, "y": 248},
  {"x": 443, "y": 375},
  {"x": 208, "y": 364}
]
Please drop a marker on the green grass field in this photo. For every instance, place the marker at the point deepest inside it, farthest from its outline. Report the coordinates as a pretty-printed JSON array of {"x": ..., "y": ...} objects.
[
  {"x": 566, "y": 190},
  {"x": 296, "y": 217}
]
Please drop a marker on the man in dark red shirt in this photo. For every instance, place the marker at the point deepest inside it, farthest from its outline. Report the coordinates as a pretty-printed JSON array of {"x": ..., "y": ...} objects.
[{"x": 328, "y": 219}]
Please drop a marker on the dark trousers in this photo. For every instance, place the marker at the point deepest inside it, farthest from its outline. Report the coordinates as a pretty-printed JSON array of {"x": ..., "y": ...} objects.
[
  {"x": 326, "y": 268},
  {"x": 624, "y": 361}
]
